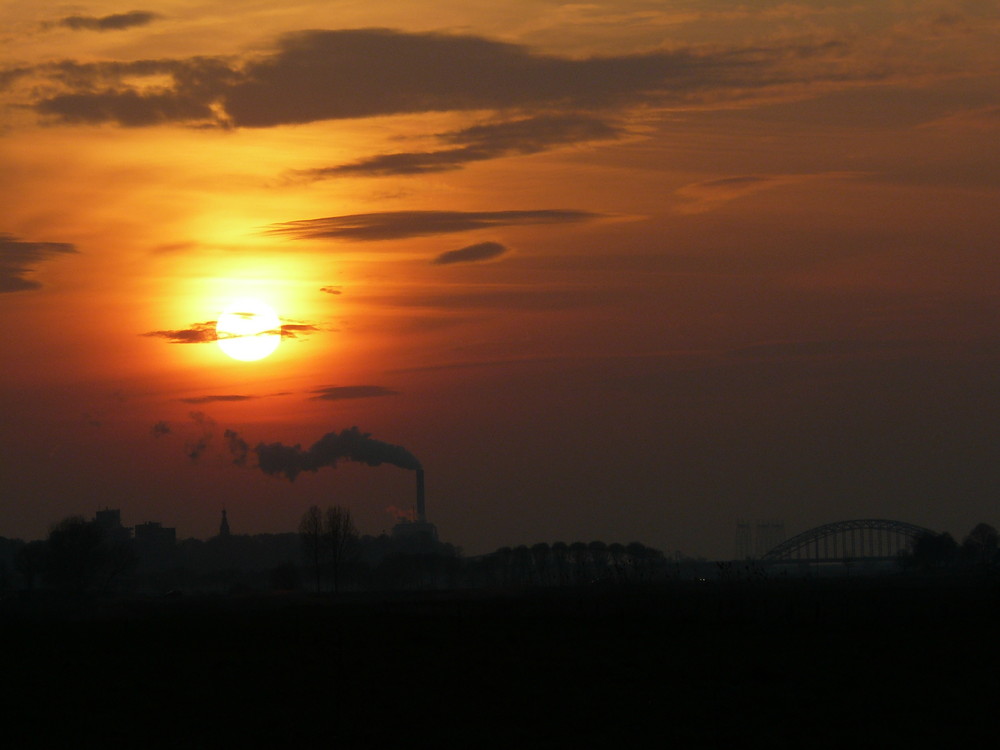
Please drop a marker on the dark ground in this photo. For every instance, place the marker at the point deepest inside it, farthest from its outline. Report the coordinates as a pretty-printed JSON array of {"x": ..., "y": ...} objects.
[{"x": 854, "y": 662}]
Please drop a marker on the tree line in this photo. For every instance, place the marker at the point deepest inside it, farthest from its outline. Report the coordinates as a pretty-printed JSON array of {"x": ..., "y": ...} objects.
[{"x": 980, "y": 549}]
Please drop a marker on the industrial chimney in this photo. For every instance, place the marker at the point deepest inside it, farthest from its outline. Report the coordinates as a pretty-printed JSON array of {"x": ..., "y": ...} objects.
[
  {"x": 421, "y": 516},
  {"x": 417, "y": 536}
]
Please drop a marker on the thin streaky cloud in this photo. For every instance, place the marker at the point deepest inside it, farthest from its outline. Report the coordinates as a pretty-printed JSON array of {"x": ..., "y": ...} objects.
[
  {"x": 295, "y": 330},
  {"x": 479, "y": 252},
  {"x": 346, "y": 392},
  {"x": 212, "y": 399},
  {"x": 391, "y": 225},
  {"x": 197, "y": 333},
  {"x": 113, "y": 22},
  {"x": 482, "y": 142}
]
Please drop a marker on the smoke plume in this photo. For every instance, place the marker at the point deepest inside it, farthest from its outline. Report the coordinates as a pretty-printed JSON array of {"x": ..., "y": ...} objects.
[
  {"x": 350, "y": 445},
  {"x": 238, "y": 447}
]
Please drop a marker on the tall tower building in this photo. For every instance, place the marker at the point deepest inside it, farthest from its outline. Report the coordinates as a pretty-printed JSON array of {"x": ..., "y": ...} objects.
[{"x": 224, "y": 526}]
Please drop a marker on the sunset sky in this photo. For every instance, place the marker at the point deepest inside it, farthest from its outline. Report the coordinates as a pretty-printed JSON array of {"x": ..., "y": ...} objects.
[{"x": 626, "y": 270}]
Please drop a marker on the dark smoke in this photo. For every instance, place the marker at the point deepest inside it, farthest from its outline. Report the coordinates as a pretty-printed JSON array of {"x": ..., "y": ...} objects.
[
  {"x": 348, "y": 445},
  {"x": 237, "y": 447},
  {"x": 195, "y": 447}
]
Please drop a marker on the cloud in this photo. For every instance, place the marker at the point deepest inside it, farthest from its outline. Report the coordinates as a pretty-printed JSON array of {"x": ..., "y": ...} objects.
[
  {"x": 392, "y": 225},
  {"x": 114, "y": 22},
  {"x": 471, "y": 254},
  {"x": 985, "y": 119},
  {"x": 18, "y": 258},
  {"x": 701, "y": 197},
  {"x": 294, "y": 330},
  {"x": 344, "y": 392},
  {"x": 211, "y": 399},
  {"x": 198, "y": 333},
  {"x": 130, "y": 94},
  {"x": 479, "y": 143},
  {"x": 354, "y": 73},
  {"x": 9, "y": 75},
  {"x": 161, "y": 428},
  {"x": 331, "y": 289},
  {"x": 205, "y": 333},
  {"x": 324, "y": 75},
  {"x": 128, "y": 108}
]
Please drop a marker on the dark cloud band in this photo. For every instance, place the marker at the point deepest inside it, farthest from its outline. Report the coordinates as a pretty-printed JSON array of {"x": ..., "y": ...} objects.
[{"x": 342, "y": 74}]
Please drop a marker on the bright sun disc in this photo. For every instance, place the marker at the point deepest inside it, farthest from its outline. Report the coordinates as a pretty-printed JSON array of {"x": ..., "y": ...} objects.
[{"x": 248, "y": 330}]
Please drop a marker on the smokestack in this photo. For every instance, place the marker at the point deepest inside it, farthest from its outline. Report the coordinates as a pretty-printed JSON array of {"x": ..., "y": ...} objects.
[{"x": 420, "y": 496}]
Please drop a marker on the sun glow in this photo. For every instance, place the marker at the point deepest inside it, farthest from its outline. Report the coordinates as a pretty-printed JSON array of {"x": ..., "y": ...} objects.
[{"x": 248, "y": 330}]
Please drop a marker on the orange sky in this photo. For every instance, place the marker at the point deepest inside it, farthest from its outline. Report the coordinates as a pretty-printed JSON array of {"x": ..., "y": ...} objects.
[{"x": 625, "y": 271}]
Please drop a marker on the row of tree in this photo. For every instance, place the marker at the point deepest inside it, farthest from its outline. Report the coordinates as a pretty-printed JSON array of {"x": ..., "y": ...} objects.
[{"x": 981, "y": 547}]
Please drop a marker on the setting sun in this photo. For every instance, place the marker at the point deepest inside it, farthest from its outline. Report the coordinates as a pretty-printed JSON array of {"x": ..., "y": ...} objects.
[{"x": 248, "y": 330}]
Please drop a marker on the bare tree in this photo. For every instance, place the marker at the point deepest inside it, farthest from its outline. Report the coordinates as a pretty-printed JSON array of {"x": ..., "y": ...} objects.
[
  {"x": 30, "y": 561},
  {"x": 560, "y": 555},
  {"x": 981, "y": 544},
  {"x": 540, "y": 555},
  {"x": 341, "y": 540},
  {"x": 311, "y": 534}
]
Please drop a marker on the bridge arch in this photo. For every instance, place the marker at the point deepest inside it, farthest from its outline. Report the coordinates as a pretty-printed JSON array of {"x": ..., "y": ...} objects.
[{"x": 858, "y": 539}]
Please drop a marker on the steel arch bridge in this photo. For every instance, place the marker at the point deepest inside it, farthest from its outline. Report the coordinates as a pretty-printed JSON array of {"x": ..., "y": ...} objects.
[{"x": 860, "y": 539}]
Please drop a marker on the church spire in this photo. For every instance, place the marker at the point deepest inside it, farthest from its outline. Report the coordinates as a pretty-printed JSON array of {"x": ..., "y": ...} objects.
[{"x": 224, "y": 526}]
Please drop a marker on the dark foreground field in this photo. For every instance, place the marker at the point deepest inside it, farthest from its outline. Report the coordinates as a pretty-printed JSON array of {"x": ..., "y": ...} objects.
[{"x": 813, "y": 663}]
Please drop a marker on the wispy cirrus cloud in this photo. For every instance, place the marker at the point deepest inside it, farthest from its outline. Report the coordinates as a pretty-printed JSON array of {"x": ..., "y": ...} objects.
[
  {"x": 18, "y": 258},
  {"x": 214, "y": 399},
  {"x": 205, "y": 333},
  {"x": 297, "y": 330},
  {"x": 196, "y": 333},
  {"x": 471, "y": 254},
  {"x": 701, "y": 197},
  {"x": 392, "y": 225},
  {"x": 482, "y": 142},
  {"x": 113, "y": 22},
  {"x": 346, "y": 392}
]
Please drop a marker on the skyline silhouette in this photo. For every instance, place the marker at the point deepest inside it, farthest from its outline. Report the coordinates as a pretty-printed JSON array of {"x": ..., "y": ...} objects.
[{"x": 624, "y": 270}]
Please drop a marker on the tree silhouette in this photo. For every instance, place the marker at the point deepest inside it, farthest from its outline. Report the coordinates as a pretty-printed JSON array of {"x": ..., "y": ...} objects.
[
  {"x": 341, "y": 540},
  {"x": 933, "y": 550},
  {"x": 981, "y": 545},
  {"x": 311, "y": 534},
  {"x": 560, "y": 555},
  {"x": 598, "y": 553},
  {"x": 29, "y": 561},
  {"x": 541, "y": 556}
]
